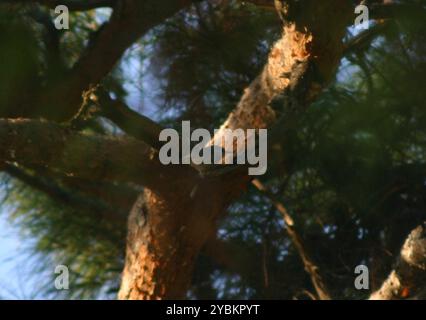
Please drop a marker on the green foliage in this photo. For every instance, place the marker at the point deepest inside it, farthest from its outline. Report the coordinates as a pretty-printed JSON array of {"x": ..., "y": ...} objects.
[
  {"x": 92, "y": 249},
  {"x": 206, "y": 57}
]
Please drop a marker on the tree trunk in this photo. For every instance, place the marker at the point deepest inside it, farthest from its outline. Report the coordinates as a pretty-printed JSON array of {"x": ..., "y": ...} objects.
[
  {"x": 158, "y": 262},
  {"x": 166, "y": 231}
]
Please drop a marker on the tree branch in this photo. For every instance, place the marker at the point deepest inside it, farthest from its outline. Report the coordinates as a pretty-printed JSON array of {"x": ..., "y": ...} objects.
[
  {"x": 35, "y": 144},
  {"x": 129, "y": 21},
  {"x": 131, "y": 122},
  {"x": 408, "y": 277},
  {"x": 363, "y": 40},
  {"x": 118, "y": 195},
  {"x": 300, "y": 64},
  {"x": 67, "y": 197},
  {"x": 310, "y": 267},
  {"x": 51, "y": 39}
]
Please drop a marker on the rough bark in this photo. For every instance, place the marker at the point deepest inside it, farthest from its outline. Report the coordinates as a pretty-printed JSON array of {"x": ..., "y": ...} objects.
[
  {"x": 300, "y": 64},
  {"x": 406, "y": 279},
  {"x": 158, "y": 262},
  {"x": 166, "y": 232},
  {"x": 37, "y": 144}
]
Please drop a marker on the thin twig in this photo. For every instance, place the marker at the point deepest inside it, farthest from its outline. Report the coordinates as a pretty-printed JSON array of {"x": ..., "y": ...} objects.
[{"x": 289, "y": 226}]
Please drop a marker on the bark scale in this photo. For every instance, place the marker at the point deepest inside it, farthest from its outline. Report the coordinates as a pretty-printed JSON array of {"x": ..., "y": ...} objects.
[
  {"x": 166, "y": 231},
  {"x": 406, "y": 279}
]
